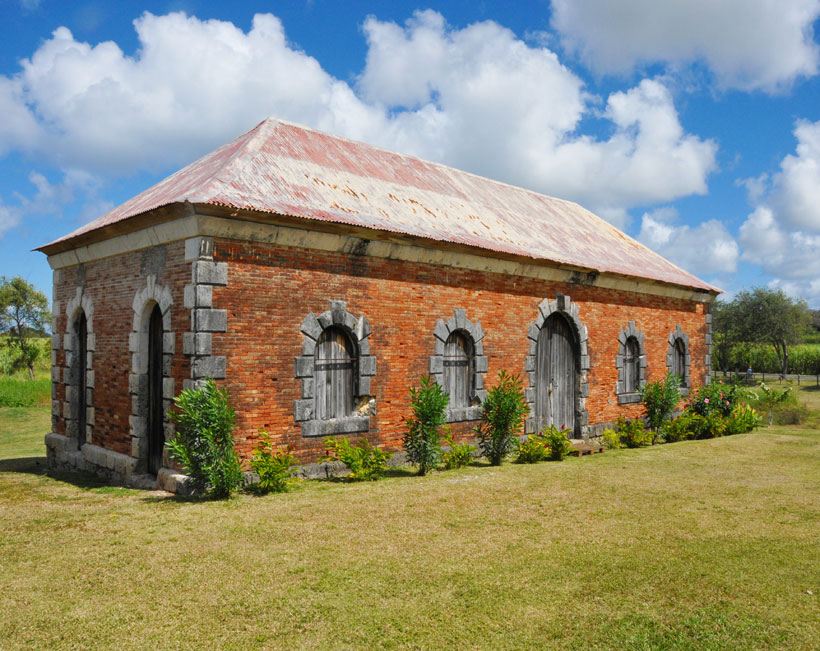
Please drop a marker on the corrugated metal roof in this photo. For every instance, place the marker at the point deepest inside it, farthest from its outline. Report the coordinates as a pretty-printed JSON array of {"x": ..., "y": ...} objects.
[{"x": 283, "y": 168}]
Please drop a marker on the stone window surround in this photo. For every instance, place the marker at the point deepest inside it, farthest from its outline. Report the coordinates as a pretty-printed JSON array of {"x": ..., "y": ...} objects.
[
  {"x": 625, "y": 334},
  {"x": 675, "y": 335},
  {"x": 562, "y": 305},
  {"x": 461, "y": 324},
  {"x": 80, "y": 303},
  {"x": 143, "y": 304},
  {"x": 358, "y": 329}
]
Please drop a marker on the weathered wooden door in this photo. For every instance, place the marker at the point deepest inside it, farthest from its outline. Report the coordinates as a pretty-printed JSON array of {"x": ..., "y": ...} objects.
[
  {"x": 156, "y": 430},
  {"x": 334, "y": 373},
  {"x": 81, "y": 330},
  {"x": 555, "y": 374},
  {"x": 458, "y": 355}
]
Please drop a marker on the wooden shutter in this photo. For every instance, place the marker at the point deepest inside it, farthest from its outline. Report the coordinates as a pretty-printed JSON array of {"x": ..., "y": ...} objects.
[
  {"x": 555, "y": 374},
  {"x": 334, "y": 373},
  {"x": 458, "y": 369},
  {"x": 631, "y": 361},
  {"x": 679, "y": 361},
  {"x": 156, "y": 431}
]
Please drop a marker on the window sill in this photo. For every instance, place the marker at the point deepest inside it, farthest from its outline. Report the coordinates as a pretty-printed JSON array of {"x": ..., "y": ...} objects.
[
  {"x": 461, "y": 414},
  {"x": 629, "y": 398},
  {"x": 347, "y": 425}
]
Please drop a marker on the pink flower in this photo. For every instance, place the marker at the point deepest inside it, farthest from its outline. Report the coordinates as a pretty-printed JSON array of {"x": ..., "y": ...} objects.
[
  {"x": 706, "y": 400},
  {"x": 727, "y": 403}
]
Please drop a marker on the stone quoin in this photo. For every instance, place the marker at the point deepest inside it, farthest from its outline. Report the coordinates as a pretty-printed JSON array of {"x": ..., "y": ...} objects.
[{"x": 317, "y": 279}]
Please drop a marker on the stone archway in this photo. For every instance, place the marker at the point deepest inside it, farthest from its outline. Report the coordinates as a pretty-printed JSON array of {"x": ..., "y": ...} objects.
[
  {"x": 548, "y": 311},
  {"x": 151, "y": 300}
]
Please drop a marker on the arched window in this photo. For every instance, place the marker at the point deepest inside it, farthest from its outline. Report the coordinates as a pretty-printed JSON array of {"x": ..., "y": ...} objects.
[
  {"x": 679, "y": 361},
  {"x": 458, "y": 369},
  {"x": 677, "y": 358},
  {"x": 156, "y": 413},
  {"x": 334, "y": 374},
  {"x": 632, "y": 365}
]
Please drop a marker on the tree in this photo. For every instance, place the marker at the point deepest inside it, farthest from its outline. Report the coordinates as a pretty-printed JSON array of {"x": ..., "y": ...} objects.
[
  {"x": 769, "y": 316},
  {"x": 725, "y": 332},
  {"x": 23, "y": 312}
]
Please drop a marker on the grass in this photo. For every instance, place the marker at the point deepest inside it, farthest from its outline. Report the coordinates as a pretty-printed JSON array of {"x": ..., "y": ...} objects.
[{"x": 699, "y": 544}]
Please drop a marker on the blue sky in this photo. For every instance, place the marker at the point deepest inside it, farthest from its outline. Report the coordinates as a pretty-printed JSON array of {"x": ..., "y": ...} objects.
[{"x": 692, "y": 125}]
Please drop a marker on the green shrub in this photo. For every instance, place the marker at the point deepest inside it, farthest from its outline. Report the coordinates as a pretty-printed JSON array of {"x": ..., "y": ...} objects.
[
  {"x": 709, "y": 426},
  {"x": 716, "y": 397},
  {"x": 459, "y": 454},
  {"x": 203, "y": 444},
  {"x": 769, "y": 398},
  {"x": 502, "y": 414},
  {"x": 274, "y": 467},
  {"x": 612, "y": 439},
  {"x": 660, "y": 399},
  {"x": 531, "y": 450},
  {"x": 790, "y": 414},
  {"x": 558, "y": 444},
  {"x": 366, "y": 463},
  {"x": 628, "y": 434},
  {"x": 742, "y": 419},
  {"x": 422, "y": 438},
  {"x": 679, "y": 429}
]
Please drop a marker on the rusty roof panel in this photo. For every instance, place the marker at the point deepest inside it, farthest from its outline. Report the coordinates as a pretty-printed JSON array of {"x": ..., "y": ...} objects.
[{"x": 282, "y": 168}]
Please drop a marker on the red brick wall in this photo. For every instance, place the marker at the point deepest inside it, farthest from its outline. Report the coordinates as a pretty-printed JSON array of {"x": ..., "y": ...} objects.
[
  {"x": 271, "y": 289},
  {"x": 112, "y": 284}
]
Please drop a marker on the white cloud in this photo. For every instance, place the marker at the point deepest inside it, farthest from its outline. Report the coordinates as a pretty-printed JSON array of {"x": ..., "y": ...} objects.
[
  {"x": 782, "y": 234},
  {"x": 476, "y": 98},
  {"x": 797, "y": 186},
  {"x": 747, "y": 44},
  {"x": 707, "y": 248}
]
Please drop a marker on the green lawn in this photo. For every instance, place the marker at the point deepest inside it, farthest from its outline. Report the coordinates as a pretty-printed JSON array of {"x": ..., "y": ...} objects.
[{"x": 700, "y": 544}]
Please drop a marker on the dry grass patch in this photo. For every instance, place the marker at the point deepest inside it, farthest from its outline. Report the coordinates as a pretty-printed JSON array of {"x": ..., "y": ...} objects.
[{"x": 700, "y": 544}]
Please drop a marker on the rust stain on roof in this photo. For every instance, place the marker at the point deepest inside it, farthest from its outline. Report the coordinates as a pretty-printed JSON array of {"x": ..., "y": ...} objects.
[{"x": 283, "y": 168}]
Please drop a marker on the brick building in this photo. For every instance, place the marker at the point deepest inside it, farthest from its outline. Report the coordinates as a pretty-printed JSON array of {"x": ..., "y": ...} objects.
[{"x": 317, "y": 279}]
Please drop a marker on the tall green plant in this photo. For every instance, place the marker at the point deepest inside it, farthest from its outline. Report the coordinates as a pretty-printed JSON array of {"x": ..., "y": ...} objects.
[
  {"x": 660, "y": 399},
  {"x": 203, "y": 445},
  {"x": 502, "y": 415},
  {"x": 422, "y": 439}
]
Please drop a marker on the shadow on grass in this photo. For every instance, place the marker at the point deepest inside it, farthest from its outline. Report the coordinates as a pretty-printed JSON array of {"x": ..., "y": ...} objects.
[{"x": 27, "y": 465}]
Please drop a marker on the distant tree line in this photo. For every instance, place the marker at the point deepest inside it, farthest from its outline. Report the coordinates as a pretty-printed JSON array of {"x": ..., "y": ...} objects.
[
  {"x": 760, "y": 316},
  {"x": 24, "y": 316}
]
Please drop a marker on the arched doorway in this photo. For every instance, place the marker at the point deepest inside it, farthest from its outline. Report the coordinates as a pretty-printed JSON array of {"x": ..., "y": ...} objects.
[
  {"x": 556, "y": 374},
  {"x": 81, "y": 376},
  {"x": 156, "y": 430}
]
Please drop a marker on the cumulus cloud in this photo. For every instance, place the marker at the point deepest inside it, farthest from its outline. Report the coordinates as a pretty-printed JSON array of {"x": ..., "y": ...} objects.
[
  {"x": 707, "y": 248},
  {"x": 782, "y": 234},
  {"x": 477, "y": 98},
  {"x": 9, "y": 218},
  {"x": 747, "y": 44}
]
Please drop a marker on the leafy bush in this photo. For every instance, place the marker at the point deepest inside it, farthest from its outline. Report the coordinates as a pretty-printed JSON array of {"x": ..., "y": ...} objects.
[
  {"x": 612, "y": 439},
  {"x": 709, "y": 426},
  {"x": 203, "y": 445},
  {"x": 459, "y": 454},
  {"x": 660, "y": 399},
  {"x": 628, "y": 434},
  {"x": 557, "y": 441},
  {"x": 422, "y": 439},
  {"x": 502, "y": 413},
  {"x": 274, "y": 467},
  {"x": 791, "y": 414},
  {"x": 366, "y": 462},
  {"x": 679, "y": 429},
  {"x": 531, "y": 450},
  {"x": 742, "y": 419},
  {"x": 769, "y": 398}
]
